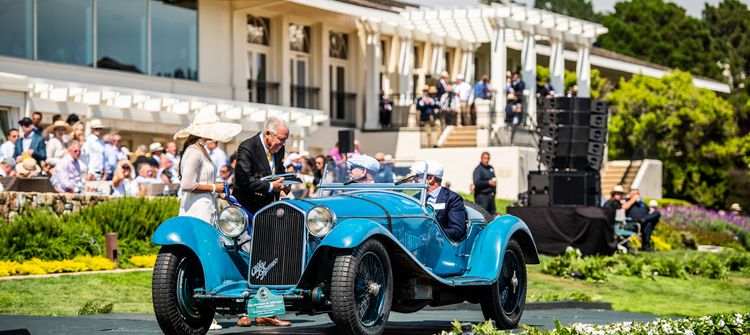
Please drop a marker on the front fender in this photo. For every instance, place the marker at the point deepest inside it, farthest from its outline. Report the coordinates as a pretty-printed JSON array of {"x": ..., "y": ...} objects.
[
  {"x": 352, "y": 232},
  {"x": 208, "y": 244},
  {"x": 489, "y": 247}
]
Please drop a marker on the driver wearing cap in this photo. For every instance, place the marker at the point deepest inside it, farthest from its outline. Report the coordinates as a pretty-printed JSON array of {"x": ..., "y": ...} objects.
[
  {"x": 449, "y": 206},
  {"x": 363, "y": 168}
]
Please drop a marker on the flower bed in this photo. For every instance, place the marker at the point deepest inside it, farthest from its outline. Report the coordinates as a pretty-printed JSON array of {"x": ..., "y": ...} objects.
[
  {"x": 737, "y": 323},
  {"x": 688, "y": 226},
  {"x": 36, "y": 266},
  {"x": 598, "y": 268}
]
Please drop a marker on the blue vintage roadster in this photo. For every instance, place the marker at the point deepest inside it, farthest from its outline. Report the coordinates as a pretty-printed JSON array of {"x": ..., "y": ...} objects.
[{"x": 356, "y": 252}]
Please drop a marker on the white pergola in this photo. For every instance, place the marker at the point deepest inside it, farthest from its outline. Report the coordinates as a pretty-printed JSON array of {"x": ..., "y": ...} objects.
[
  {"x": 499, "y": 24},
  {"x": 160, "y": 113}
]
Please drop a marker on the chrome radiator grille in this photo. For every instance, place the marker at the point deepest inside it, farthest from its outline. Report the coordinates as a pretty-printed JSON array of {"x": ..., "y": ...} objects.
[{"x": 278, "y": 246}]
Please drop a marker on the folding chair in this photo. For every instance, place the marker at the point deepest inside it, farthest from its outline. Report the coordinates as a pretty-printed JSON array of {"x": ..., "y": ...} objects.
[{"x": 625, "y": 229}]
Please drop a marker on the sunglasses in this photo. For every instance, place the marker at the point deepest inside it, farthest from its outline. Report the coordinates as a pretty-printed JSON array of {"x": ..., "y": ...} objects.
[{"x": 76, "y": 151}]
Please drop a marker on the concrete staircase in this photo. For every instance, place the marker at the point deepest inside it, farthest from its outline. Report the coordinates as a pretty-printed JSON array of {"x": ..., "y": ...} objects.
[
  {"x": 461, "y": 137},
  {"x": 613, "y": 174}
]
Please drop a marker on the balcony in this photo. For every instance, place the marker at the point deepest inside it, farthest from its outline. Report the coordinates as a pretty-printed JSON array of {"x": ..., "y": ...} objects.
[
  {"x": 264, "y": 92},
  {"x": 305, "y": 97},
  {"x": 343, "y": 109}
]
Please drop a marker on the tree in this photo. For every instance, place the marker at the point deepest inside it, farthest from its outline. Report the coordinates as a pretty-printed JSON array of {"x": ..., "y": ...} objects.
[
  {"x": 661, "y": 33},
  {"x": 685, "y": 127},
  {"x": 599, "y": 85},
  {"x": 582, "y": 9},
  {"x": 729, "y": 23}
]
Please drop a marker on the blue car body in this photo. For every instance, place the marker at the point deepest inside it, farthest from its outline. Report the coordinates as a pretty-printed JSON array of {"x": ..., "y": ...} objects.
[{"x": 291, "y": 262}]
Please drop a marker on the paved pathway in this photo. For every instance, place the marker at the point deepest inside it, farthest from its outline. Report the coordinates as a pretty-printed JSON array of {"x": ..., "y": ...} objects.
[{"x": 429, "y": 321}]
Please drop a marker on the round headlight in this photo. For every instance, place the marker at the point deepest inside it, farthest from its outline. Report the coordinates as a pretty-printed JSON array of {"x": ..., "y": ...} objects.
[
  {"x": 319, "y": 221},
  {"x": 232, "y": 221}
]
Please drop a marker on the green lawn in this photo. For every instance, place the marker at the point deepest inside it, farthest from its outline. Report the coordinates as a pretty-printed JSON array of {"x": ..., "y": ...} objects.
[
  {"x": 131, "y": 293},
  {"x": 500, "y": 204}
]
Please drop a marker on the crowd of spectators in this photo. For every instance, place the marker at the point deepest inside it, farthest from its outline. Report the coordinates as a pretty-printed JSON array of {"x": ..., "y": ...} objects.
[{"x": 451, "y": 103}]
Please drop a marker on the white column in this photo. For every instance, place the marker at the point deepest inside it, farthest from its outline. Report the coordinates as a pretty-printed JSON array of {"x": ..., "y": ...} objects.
[
  {"x": 285, "y": 90},
  {"x": 498, "y": 64},
  {"x": 470, "y": 68},
  {"x": 406, "y": 59},
  {"x": 435, "y": 63},
  {"x": 372, "y": 89},
  {"x": 557, "y": 68},
  {"x": 528, "y": 65},
  {"x": 583, "y": 72}
]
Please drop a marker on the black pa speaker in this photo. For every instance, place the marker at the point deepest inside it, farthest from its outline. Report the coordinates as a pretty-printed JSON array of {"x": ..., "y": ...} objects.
[
  {"x": 574, "y": 188},
  {"x": 346, "y": 141}
]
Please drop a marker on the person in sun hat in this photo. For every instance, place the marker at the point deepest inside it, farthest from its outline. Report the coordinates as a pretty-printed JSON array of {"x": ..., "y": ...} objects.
[
  {"x": 449, "y": 207},
  {"x": 615, "y": 200},
  {"x": 56, "y": 144},
  {"x": 28, "y": 168},
  {"x": 363, "y": 167},
  {"x": 197, "y": 171}
]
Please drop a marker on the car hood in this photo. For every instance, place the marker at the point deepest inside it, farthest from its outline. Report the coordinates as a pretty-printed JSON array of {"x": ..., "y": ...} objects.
[{"x": 370, "y": 203}]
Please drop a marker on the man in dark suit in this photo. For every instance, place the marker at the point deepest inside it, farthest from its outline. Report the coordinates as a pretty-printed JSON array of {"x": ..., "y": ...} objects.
[
  {"x": 449, "y": 206},
  {"x": 31, "y": 143},
  {"x": 259, "y": 156},
  {"x": 485, "y": 184}
]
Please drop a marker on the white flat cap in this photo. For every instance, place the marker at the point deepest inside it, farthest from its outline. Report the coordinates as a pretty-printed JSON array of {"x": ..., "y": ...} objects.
[
  {"x": 433, "y": 167},
  {"x": 368, "y": 163}
]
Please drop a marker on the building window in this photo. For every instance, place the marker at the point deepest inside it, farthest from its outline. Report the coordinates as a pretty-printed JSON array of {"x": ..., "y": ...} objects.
[
  {"x": 339, "y": 45},
  {"x": 174, "y": 39},
  {"x": 16, "y": 36},
  {"x": 65, "y": 32},
  {"x": 258, "y": 30},
  {"x": 122, "y": 35},
  {"x": 299, "y": 38}
]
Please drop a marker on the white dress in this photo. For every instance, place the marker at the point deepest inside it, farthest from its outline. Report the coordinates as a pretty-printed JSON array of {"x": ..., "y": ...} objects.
[
  {"x": 55, "y": 151},
  {"x": 197, "y": 169}
]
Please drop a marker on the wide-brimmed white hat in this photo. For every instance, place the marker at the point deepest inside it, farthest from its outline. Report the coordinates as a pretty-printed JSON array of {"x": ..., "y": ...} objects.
[
  {"x": 156, "y": 146},
  {"x": 207, "y": 125},
  {"x": 58, "y": 124},
  {"x": 27, "y": 166},
  {"x": 735, "y": 207},
  {"x": 618, "y": 189},
  {"x": 96, "y": 123}
]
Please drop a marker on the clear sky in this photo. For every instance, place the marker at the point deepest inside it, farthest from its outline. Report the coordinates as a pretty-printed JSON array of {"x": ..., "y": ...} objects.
[{"x": 693, "y": 7}]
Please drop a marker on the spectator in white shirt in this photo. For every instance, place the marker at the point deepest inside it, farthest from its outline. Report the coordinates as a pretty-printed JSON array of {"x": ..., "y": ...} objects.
[
  {"x": 56, "y": 144},
  {"x": 122, "y": 180},
  {"x": 93, "y": 151},
  {"x": 9, "y": 147},
  {"x": 465, "y": 96},
  {"x": 68, "y": 169},
  {"x": 167, "y": 173},
  {"x": 7, "y": 167},
  {"x": 171, "y": 153},
  {"x": 218, "y": 156}
]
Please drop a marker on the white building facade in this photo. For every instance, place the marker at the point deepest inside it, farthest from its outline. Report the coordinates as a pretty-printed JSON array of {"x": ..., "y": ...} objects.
[{"x": 146, "y": 66}]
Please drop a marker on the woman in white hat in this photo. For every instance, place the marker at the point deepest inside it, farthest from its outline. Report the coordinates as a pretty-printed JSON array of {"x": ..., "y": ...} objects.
[
  {"x": 56, "y": 145},
  {"x": 197, "y": 172}
]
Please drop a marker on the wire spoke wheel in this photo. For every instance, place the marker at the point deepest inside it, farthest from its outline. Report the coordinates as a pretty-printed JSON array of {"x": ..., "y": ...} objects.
[
  {"x": 362, "y": 290},
  {"x": 505, "y": 300}
]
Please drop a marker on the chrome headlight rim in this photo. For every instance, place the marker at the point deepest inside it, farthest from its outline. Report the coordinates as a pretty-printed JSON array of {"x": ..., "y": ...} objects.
[
  {"x": 232, "y": 227},
  {"x": 320, "y": 226}
]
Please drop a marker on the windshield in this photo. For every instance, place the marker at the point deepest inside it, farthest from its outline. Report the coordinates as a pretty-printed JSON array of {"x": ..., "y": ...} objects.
[{"x": 359, "y": 174}]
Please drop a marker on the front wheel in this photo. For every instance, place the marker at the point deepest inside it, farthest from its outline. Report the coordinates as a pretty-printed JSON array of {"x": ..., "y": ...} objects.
[
  {"x": 504, "y": 300},
  {"x": 362, "y": 290},
  {"x": 177, "y": 273}
]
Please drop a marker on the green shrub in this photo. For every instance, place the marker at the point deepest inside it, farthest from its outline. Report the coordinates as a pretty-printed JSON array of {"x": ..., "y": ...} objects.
[
  {"x": 92, "y": 307},
  {"x": 40, "y": 233}
]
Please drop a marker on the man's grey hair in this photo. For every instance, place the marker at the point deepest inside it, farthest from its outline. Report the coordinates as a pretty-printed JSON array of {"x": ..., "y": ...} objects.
[{"x": 273, "y": 123}]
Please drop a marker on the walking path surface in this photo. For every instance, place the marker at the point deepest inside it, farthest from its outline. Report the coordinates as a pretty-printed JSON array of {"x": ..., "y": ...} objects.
[{"x": 428, "y": 321}]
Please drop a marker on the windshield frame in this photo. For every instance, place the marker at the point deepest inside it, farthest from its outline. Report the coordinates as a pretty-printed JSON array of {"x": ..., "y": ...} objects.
[{"x": 418, "y": 186}]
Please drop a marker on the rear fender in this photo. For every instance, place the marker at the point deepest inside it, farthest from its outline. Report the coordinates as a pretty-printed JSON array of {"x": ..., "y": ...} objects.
[
  {"x": 489, "y": 247},
  {"x": 220, "y": 265}
]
